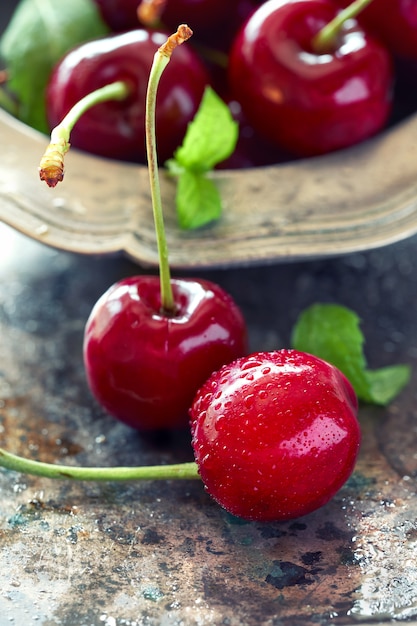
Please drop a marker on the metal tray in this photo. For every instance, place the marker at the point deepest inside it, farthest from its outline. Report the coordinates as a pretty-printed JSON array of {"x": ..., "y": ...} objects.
[{"x": 352, "y": 200}]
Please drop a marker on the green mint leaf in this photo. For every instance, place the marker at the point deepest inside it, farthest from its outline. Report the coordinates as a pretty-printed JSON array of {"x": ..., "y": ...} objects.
[
  {"x": 211, "y": 136},
  {"x": 332, "y": 332},
  {"x": 198, "y": 200},
  {"x": 387, "y": 382},
  {"x": 38, "y": 35}
]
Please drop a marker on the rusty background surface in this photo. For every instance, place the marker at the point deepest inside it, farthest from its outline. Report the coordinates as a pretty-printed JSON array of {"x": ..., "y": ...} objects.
[{"x": 162, "y": 552}]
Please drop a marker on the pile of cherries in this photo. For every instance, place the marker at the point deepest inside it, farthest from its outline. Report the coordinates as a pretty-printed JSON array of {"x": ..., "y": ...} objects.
[
  {"x": 275, "y": 434},
  {"x": 163, "y": 353},
  {"x": 293, "y": 94}
]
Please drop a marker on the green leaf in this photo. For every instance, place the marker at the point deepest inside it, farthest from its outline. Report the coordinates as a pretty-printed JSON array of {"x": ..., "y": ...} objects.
[
  {"x": 386, "y": 382},
  {"x": 38, "y": 35},
  {"x": 198, "y": 200},
  {"x": 332, "y": 332},
  {"x": 211, "y": 137}
]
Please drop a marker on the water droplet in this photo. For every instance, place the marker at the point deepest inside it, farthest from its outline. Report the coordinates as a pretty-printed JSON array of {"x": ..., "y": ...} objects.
[{"x": 248, "y": 400}]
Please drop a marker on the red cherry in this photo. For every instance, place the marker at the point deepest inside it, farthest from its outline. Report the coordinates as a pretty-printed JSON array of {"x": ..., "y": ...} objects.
[
  {"x": 201, "y": 15},
  {"x": 117, "y": 129},
  {"x": 394, "y": 22},
  {"x": 309, "y": 102},
  {"x": 120, "y": 15},
  {"x": 275, "y": 435},
  {"x": 144, "y": 366}
]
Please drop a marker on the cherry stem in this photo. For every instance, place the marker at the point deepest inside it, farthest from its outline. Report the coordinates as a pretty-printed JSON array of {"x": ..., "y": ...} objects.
[
  {"x": 184, "y": 471},
  {"x": 149, "y": 12},
  {"x": 324, "y": 40},
  {"x": 160, "y": 61},
  {"x": 51, "y": 167},
  {"x": 8, "y": 103}
]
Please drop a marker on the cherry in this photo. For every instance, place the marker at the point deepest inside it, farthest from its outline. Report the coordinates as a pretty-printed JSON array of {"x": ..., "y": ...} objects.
[
  {"x": 120, "y": 15},
  {"x": 116, "y": 128},
  {"x": 275, "y": 435},
  {"x": 150, "y": 342},
  {"x": 143, "y": 365},
  {"x": 394, "y": 22},
  {"x": 202, "y": 15},
  {"x": 309, "y": 98}
]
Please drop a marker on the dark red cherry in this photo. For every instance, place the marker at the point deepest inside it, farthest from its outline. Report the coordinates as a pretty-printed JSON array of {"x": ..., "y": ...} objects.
[
  {"x": 394, "y": 22},
  {"x": 145, "y": 366},
  {"x": 200, "y": 15},
  {"x": 120, "y": 15},
  {"x": 309, "y": 102},
  {"x": 117, "y": 129}
]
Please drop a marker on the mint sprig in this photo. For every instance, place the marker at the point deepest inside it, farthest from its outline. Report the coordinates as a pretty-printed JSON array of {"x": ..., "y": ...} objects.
[
  {"x": 38, "y": 35},
  {"x": 332, "y": 332},
  {"x": 210, "y": 139}
]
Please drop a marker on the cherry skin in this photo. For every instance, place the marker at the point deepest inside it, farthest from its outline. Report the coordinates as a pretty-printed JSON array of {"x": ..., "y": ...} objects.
[
  {"x": 119, "y": 15},
  {"x": 394, "y": 22},
  {"x": 308, "y": 102},
  {"x": 199, "y": 14},
  {"x": 144, "y": 366},
  {"x": 116, "y": 129},
  {"x": 275, "y": 435}
]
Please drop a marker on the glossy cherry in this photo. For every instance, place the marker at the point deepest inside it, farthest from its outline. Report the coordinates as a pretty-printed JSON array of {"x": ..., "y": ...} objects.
[
  {"x": 150, "y": 342},
  {"x": 309, "y": 102},
  {"x": 199, "y": 14},
  {"x": 120, "y": 15},
  {"x": 394, "y": 22},
  {"x": 275, "y": 435},
  {"x": 116, "y": 129},
  {"x": 144, "y": 366}
]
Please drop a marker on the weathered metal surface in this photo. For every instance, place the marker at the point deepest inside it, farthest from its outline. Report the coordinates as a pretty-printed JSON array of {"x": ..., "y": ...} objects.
[
  {"x": 163, "y": 553},
  {"x": 352, "y": 200},
  {"x": 344, "y": 202}
]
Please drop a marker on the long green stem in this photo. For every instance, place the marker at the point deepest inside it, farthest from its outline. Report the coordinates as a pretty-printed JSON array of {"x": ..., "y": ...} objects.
[
  {"x": 19, "y": 464},
  {"x": 113, "y": 91},
  {"x": 160, "y": 61},
  {"x": 51, "y": 167},
  {"x": 324, "y": 40}
]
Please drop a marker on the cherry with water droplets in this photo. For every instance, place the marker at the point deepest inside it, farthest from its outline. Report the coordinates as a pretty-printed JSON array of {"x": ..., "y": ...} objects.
[{"x": 275, "y": 434}]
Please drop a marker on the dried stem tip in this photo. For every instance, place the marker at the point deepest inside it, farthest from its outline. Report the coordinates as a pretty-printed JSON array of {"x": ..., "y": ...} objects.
[
  {"x": 183, "y": 33},
  {"x": 149, "y": 11},
  {"x": 51, "y": 167}
]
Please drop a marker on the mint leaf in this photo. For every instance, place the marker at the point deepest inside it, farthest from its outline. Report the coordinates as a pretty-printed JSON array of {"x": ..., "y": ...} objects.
[
  {"x": 198, "y": 200},
  {"x": 38, "y": 35},
  {"x": 332, "y": 332},
  {"x": 210, "y": 138},
  {"x": 385, "y": 383}
]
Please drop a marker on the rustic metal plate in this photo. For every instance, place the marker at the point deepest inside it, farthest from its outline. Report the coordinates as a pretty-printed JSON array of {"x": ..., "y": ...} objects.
[{"x": 353, "y": 200}]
